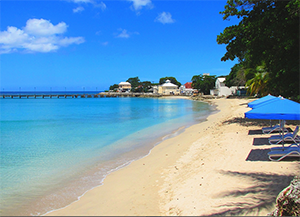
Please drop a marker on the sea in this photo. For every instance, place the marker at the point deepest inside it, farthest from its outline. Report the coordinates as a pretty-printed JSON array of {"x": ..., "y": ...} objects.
[{"x": 54, "y": 150}]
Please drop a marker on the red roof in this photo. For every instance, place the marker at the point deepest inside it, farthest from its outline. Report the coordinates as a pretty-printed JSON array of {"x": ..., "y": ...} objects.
[{"x": 188, "y": 85}]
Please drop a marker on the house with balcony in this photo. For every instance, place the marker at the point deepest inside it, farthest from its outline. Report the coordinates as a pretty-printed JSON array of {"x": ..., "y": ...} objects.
[{"x": 124, "y": 87}]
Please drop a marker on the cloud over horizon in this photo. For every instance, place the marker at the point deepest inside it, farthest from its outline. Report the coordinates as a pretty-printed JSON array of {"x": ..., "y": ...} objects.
[{"x": 38, "y": 35}]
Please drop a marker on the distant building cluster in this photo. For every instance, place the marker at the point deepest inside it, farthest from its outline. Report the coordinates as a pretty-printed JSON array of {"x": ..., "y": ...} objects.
[{"x": 169, "y": 88}]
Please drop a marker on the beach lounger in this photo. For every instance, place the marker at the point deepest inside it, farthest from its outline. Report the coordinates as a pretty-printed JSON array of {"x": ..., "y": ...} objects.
[
  {"x": 292, "y": 137},
  {"x": 276, "y": 128},
  {"x": 279, "y": 153}
]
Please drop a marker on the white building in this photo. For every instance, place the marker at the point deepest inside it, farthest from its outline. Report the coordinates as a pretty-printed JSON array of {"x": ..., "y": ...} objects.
[
  {"x": 124, "y": 86},
  {"x": 168, "y": 89},
  {"x": 187, "y": 89},
  {"x": 220, "y": 88}
]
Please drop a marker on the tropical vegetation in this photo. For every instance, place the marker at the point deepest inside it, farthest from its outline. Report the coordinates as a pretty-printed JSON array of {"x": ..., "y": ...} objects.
[
  {"x": 172, "y": 80},
  {"x": 203, "y": 83},
  {"x": 266, "y": 43}
]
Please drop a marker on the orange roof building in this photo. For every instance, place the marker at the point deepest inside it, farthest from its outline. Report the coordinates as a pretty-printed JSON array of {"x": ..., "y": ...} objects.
[{"x": 188, "y": 85}]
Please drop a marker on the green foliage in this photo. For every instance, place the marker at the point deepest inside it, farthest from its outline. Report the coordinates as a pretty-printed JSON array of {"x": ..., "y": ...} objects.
[
  {"x": 268, "y": 32},
  {"x": 259, "y": 83},
  {"x": 236, "y": 76},
  {"x": 135, "y": 81},
  {"x": 172, "y": 79},
  {"x": 143, "y": 87},
  {"x": 114, "y": 87},
  {"x": 203, "y": 83}
]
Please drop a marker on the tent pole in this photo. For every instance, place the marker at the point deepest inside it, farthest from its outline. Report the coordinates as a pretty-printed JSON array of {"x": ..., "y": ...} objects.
[{"x": 282, "y": 135}]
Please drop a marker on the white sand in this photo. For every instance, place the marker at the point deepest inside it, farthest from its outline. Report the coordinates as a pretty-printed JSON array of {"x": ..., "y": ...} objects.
[{"x": 212, "y": 168}]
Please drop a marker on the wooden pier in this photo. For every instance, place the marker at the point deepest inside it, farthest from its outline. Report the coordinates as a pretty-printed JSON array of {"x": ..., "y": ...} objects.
[{"x": 57, "y": 96}]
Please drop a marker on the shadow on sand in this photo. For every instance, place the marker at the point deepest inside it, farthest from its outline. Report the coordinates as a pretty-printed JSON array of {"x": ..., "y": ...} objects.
[
  {"x": 257, "y": 122},
  {"x": 258, "y": 155},
  {"x": 261, "y": 195},
  {"x": 259, "y": 132},
  {"x": 248, "y": 122},
  {"x": 255, "y": 132},
  {"x": 260, "y": 141}
]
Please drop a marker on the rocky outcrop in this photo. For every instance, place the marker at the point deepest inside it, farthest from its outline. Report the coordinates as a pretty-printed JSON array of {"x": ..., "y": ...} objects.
[{"x": 288, "y": 200}]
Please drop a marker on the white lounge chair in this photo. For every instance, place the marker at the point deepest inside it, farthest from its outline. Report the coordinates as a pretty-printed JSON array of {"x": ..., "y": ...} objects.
[
  {"x": 276, "y": 128},
  {"x": 279, "y": 153},
  {"x": 292, "y": 137}
]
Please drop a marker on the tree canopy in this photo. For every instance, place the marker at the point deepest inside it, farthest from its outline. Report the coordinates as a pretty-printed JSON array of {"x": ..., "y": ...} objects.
[
  {"x": 172, "y": 79},
  {"x": 144, "y": 87},
  {"x": 135, "y": 81},
  {"x": 236, "y": 76},
  {"x": 268, "y": 34},
  {"x": 203, "y": 83},
  {"x": 114, "y": 87}
]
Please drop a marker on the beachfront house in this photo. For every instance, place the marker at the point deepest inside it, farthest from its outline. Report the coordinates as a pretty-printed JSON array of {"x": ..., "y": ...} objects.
[
  {"x": 221, "y": 89},
  {"x": 124, "y": 87},
  {"x": 187, "y": 89},
  {"x": 168, "y": 89}
]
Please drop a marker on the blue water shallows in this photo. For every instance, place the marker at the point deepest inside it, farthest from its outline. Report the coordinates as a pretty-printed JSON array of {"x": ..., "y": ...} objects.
[{"x": 54, "y": 150}]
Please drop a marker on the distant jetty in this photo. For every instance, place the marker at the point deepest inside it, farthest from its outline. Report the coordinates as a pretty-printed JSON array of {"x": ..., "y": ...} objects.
[{"x": 81, "y": 95}]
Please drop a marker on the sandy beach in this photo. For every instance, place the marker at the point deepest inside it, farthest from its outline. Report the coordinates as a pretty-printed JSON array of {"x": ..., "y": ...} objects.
[{"x": 219, "y": 166}]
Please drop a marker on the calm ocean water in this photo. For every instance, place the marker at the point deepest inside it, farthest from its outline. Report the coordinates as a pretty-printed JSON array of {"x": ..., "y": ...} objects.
[{"x": 54, "y": 150}]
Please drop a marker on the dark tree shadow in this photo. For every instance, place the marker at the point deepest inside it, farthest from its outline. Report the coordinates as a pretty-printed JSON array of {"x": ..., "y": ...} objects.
[
  {"x": 247, "y": 122},
  {"x": 262, "y": 194},
  {"x": 258, "y": 155}
]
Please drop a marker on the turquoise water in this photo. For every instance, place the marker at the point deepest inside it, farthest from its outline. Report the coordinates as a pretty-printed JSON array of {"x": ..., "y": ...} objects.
[{"x": 54, "y": 150}]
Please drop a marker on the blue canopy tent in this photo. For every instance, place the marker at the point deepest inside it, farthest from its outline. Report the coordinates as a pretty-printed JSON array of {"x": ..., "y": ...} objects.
[
  {"x": 261, "y": 101},
  {"x": 283, "y": 109}
]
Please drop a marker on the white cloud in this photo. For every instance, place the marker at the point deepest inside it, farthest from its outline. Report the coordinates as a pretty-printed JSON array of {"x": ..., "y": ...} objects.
[
  {"x": 78, "y": 9},
  {"x": 82, "y": 1},
  {"x": 38, "y": 35},
  {"x": 44, "y": 27},
  {"x": 164, "y": 17},
  {"x": 123, "y": 34},
  {"x": 100, "y": 5},
  {"x": 93, "y": 2},
  {"x": 139, "y": 4}
]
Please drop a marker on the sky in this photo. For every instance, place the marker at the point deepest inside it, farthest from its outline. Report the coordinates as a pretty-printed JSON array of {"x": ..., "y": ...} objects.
[{"x": 91, "y": 44}]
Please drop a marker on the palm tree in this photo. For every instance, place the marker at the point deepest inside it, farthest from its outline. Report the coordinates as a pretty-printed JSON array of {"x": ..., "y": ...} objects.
[{"x": 258, "y": 84}]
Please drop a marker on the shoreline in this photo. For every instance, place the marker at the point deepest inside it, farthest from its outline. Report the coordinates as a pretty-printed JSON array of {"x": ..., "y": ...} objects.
[
  {"x": 154, "y": 143},
  {"x": 186, "y": 174}
]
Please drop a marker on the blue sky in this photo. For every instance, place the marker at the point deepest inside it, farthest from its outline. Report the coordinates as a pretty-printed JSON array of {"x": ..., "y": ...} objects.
[{"x": 71, "y": 44}]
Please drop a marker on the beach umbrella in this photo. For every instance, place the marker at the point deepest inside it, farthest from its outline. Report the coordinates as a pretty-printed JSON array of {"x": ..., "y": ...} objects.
[
  {"x": 282, "y": 109},
  {"x": 260, "y": 101}
]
